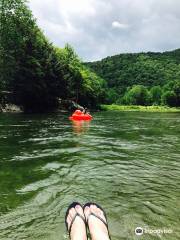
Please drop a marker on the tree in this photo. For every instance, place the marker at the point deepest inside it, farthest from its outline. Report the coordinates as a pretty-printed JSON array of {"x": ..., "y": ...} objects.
[
  {"x": 31, "y": 69},
  {"x": 111, "y": 96},
  {"x": 7, "y": 37},
  {"x": 155, "y": 94},
  {"x": 169, "y": 98},
  {"x": 71, "y": 68},
  {"x": 93, "y": 88},
  {"x": 137, "y": 95},
  {"x": 176, "y": 89},
  {"x": 168, "y": 86},
  {"x": 147, "y": 69}
]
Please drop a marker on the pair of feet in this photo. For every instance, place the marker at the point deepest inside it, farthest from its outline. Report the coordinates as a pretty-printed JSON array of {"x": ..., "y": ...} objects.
[{"x": 92, "y": 216}]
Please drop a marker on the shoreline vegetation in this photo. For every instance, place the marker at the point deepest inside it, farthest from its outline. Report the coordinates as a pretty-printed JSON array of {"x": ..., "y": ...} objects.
[
  {"x": 138, "y": 108},
  {"x": 37, "y": 77}
]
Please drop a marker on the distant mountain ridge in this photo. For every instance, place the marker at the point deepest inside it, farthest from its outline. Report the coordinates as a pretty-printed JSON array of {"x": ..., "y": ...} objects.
[{"x": 149, "y": 69}]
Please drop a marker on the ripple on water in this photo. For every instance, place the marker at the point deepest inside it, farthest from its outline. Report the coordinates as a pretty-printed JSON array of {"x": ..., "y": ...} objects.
[{"x": 129, "y": 164}]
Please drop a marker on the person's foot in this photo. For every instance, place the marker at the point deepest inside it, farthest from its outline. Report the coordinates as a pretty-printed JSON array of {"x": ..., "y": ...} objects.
[
  {"x": 97, "y": 228},
  {"x": 78, "y": 229}
]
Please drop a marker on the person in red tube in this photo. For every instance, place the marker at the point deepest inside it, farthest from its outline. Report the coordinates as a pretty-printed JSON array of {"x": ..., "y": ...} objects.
[
  {"x": 78, "y": 112},
  {"x": 85, "y": 111}
]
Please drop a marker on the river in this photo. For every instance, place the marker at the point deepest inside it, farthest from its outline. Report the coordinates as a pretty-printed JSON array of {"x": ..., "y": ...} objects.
[{"x": 128, "y": 162}]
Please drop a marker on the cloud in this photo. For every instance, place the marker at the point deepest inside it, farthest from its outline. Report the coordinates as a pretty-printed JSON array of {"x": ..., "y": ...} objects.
[
  {"x": 98, "y": 28},
  {"x": 119, "y": 25}
]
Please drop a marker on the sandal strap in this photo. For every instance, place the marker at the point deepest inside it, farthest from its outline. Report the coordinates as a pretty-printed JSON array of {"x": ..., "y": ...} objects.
[
  {"x": 76, "y": 215},
  {"x": 102, "y": 220}
]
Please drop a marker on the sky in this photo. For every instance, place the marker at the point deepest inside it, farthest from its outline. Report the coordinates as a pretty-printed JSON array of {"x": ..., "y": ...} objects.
[{"x": 100, "y": 28}]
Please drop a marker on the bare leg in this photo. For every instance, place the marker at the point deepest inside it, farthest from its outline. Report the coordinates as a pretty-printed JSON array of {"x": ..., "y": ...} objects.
[
  {"x": 78, "y": 230},
  {"x": 97, "y": 228}
]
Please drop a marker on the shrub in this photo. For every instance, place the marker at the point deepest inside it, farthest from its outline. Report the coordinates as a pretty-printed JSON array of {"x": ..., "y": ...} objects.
[
  {"x": 155, "y": 95},
  {"x": 169, "y": 98},
  {"x": 137, "y": 95}
]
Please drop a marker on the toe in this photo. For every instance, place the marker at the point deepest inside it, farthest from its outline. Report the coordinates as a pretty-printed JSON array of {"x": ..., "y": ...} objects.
[
  {"x": 87, "y": 211},
  {"x": 72, "y": 212},
  {"x": 79, "y": 209},
  {"x": 93, "y": 208}
]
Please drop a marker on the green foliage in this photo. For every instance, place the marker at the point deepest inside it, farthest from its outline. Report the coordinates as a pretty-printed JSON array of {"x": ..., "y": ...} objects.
[
  {"x": 25, "y": 54},
  {"x": 155, "y": 95},
  {"x": 16, "y": 22},
  {"x": 168, "y": 86},
  {"x": 80, "y": 84},
  {"x": 111, "y": 96},
  {"x": 147, "y": 69},
  {"x": 176, "y": 89},
  {"x": 93, "y": 88},
  {"x": 169, "y": 98},
  {"x": 70, "y": 67},
  {"x": 115, "y": 107},
  {"x": 171, "y": 93},
  {"x": 137, "y": 95}
]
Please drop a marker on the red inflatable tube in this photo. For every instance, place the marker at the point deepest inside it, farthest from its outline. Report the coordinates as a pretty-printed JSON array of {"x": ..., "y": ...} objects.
[
  {"x": 85, "y": 117},
  {"x": 78, "y": 116}
]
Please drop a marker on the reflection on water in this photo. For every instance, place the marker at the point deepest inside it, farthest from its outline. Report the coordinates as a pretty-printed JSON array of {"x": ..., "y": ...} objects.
[
  {"x": 80, "y": 127},
  {"x": 127, "y": 162}
]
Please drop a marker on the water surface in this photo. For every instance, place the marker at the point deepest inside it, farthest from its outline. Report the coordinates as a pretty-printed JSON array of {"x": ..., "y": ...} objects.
[{"x": 127, "y": 162}]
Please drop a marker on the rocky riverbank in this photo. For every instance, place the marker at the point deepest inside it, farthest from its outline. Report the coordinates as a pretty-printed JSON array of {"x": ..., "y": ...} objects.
[
  {"x": 63, "y": 105},
  {"x": 10, "y": 108}
]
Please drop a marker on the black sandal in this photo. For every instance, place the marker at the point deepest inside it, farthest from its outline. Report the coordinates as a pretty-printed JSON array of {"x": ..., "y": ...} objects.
[
  {"x": 73, "y": 205},
  {"x": 93, "y": 214}
]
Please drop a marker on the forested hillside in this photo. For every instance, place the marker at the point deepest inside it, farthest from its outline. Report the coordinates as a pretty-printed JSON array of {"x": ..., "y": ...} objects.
[
  {"x": 148, "y": 69},
  {"x": 33, "y": 73},
  {"x": 122, "y": 72}
]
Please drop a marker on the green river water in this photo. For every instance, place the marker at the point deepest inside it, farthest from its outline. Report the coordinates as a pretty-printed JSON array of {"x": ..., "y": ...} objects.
[{"x": 127, "y": 162}]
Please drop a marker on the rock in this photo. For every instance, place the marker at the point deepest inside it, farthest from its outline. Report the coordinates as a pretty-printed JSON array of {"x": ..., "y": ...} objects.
[{"x": 10, "y": 108}]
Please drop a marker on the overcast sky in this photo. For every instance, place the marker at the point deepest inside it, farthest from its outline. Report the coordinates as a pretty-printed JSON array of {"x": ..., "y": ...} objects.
[{"x": 100, "y": 28}]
